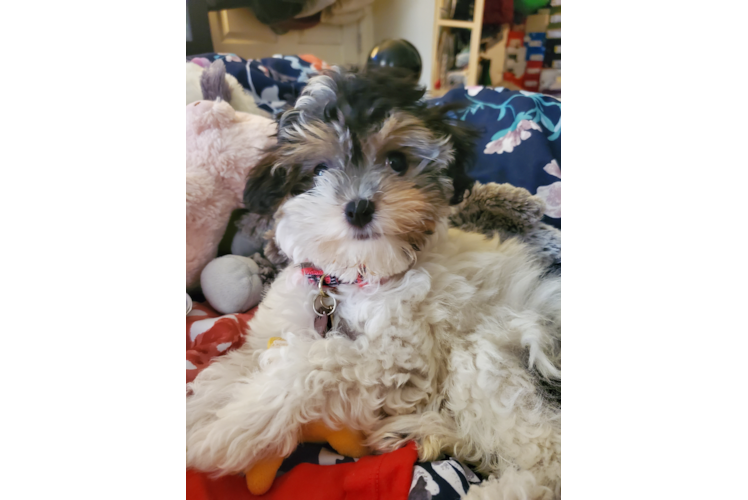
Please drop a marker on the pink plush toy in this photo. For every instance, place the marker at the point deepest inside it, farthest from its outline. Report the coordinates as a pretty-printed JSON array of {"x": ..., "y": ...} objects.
[{"x": 222, "y": 146}]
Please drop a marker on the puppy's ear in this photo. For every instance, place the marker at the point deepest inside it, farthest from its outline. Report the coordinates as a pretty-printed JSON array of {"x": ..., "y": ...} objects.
[
  {"x": 463, "y": 138},
  {"x": 271, "y": 182},
  {"x": 265, "y": 187}
]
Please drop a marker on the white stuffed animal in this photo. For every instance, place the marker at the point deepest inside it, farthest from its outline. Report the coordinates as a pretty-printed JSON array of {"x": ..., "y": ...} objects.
[
  {"x": 222, "y": 146},
  {"x": 231, "y": 284}
]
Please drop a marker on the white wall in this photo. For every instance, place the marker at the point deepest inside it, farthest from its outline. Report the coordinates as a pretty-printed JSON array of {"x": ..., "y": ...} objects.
[{"x": 412, "y": 20}]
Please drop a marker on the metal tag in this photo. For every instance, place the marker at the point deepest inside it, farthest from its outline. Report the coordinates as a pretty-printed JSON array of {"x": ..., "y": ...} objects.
[{"x": 324, "y": 306}]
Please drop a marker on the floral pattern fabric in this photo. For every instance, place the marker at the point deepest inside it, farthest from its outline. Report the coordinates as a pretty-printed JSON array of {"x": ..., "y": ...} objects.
[{"x": 520, "y": 140}]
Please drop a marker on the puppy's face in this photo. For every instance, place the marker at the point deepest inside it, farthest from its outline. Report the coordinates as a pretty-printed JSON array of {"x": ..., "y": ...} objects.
[{"x": 361, "y": 176}]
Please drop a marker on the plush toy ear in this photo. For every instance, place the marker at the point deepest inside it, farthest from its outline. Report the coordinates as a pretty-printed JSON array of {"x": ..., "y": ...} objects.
[{"x": 213, "y": 82}]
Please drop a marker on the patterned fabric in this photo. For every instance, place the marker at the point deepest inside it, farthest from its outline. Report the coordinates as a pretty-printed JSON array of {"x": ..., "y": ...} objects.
[
  {"x": 275, "y": 82},
  {"x": 443, "y": 480},
  {"x": 520, "y": 140},
  {"x": 209, "y": 334},
  {"x": 521, "y": 131},
  {"x": 314, "y": 274}
]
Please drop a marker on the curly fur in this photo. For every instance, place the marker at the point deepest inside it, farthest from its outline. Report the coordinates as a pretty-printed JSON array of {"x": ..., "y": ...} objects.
[
  {"x": 512, "y": 485},
  {"x": 443, "y": 346}
]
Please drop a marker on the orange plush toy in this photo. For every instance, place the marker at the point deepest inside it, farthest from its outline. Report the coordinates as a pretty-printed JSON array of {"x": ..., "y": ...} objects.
[{"x": 345, "y": 441}]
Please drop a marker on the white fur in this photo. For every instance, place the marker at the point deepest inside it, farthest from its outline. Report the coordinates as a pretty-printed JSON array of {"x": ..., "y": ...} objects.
[
  {"x": 438, "y": 353},
  {"x": 310, "y": 227}
]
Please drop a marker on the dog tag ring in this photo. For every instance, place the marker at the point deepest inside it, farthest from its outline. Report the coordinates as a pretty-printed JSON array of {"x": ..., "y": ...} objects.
[
  {"x": 324, "y": 306},
  {"x": 320, "y": 305},
  {"x": 324, "y": 309}
]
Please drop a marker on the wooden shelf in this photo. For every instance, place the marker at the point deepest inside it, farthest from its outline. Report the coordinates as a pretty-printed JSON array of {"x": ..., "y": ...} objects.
[
  {"x": 451, "y": 23},
  {"x": 476, "y": 27}
]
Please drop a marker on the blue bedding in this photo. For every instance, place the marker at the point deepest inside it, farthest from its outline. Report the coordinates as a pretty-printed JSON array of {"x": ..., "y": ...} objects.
[{"x": 520, "y": 140}]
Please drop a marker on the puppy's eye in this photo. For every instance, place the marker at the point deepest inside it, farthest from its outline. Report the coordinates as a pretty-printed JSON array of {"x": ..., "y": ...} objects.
[
  {"x": 397, "y": 162},
  {"x": 320, "y": 169}
]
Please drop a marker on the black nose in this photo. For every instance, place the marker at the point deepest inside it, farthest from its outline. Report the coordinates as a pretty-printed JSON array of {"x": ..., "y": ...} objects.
[{"x": 359, "y": 212}]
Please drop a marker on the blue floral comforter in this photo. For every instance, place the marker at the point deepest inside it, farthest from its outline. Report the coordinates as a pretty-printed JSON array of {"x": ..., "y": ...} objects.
[
  {"x": 520, "y": 142},
  {"x": 520, "y": 131}
]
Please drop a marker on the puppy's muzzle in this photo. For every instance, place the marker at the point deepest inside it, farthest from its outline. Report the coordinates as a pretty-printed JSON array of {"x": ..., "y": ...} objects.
[{"x": 359, "y": 212}]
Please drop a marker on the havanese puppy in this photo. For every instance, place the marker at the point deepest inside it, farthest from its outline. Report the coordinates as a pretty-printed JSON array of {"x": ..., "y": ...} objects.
[{"x": 418, "y": 332}]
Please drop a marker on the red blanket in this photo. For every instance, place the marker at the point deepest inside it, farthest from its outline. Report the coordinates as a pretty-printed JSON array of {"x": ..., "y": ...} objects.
[
  {"x": 382, "y": 477},
  {"x": 209, "y": 335}
]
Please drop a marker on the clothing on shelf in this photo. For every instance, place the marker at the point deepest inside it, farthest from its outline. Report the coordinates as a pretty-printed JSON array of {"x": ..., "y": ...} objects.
[
  {"x": 345, "y": 11},
  {"x": 463, "y": 10},
  {"x": 297, "y": 23},
  {"x": 266, "y": 12},
  {"x": 312, "y": 7},
  {"x": 498, "y": 12},
  {"x": 285, "y": 15},
  {"x": 348, "y": 6}
]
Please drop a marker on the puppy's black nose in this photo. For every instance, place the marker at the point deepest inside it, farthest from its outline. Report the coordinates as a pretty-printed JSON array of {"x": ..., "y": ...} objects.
[{"x": 359, "y": 212}]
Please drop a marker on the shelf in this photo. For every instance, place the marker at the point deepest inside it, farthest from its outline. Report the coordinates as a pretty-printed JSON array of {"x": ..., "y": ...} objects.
[
  {"x": 451, "y": 23},
  {"x": 475, "y": 26}
]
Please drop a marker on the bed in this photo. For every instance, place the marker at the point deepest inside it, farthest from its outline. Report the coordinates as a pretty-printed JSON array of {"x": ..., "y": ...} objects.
[{"x": 520, "y": 144}]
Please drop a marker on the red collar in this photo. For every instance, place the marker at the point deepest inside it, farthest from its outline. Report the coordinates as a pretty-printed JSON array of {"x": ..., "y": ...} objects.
[{"x": 313, "y": 274}]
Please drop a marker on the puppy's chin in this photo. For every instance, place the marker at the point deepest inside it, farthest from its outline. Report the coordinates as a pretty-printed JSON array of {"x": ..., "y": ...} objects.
[
  {"x": 312, "y": 227},
  {"x": 372, "y": 256},
  {"x": 342, "y": 251}
]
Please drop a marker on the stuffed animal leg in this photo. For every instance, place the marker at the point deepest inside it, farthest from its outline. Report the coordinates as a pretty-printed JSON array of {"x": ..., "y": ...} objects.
[
  {"x": 231, "y": 284},
  {"x": 345, "y": 441}
]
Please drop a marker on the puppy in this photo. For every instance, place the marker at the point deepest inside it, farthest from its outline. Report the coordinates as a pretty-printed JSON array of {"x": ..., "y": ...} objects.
[{"x": 438, "y": 336}]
